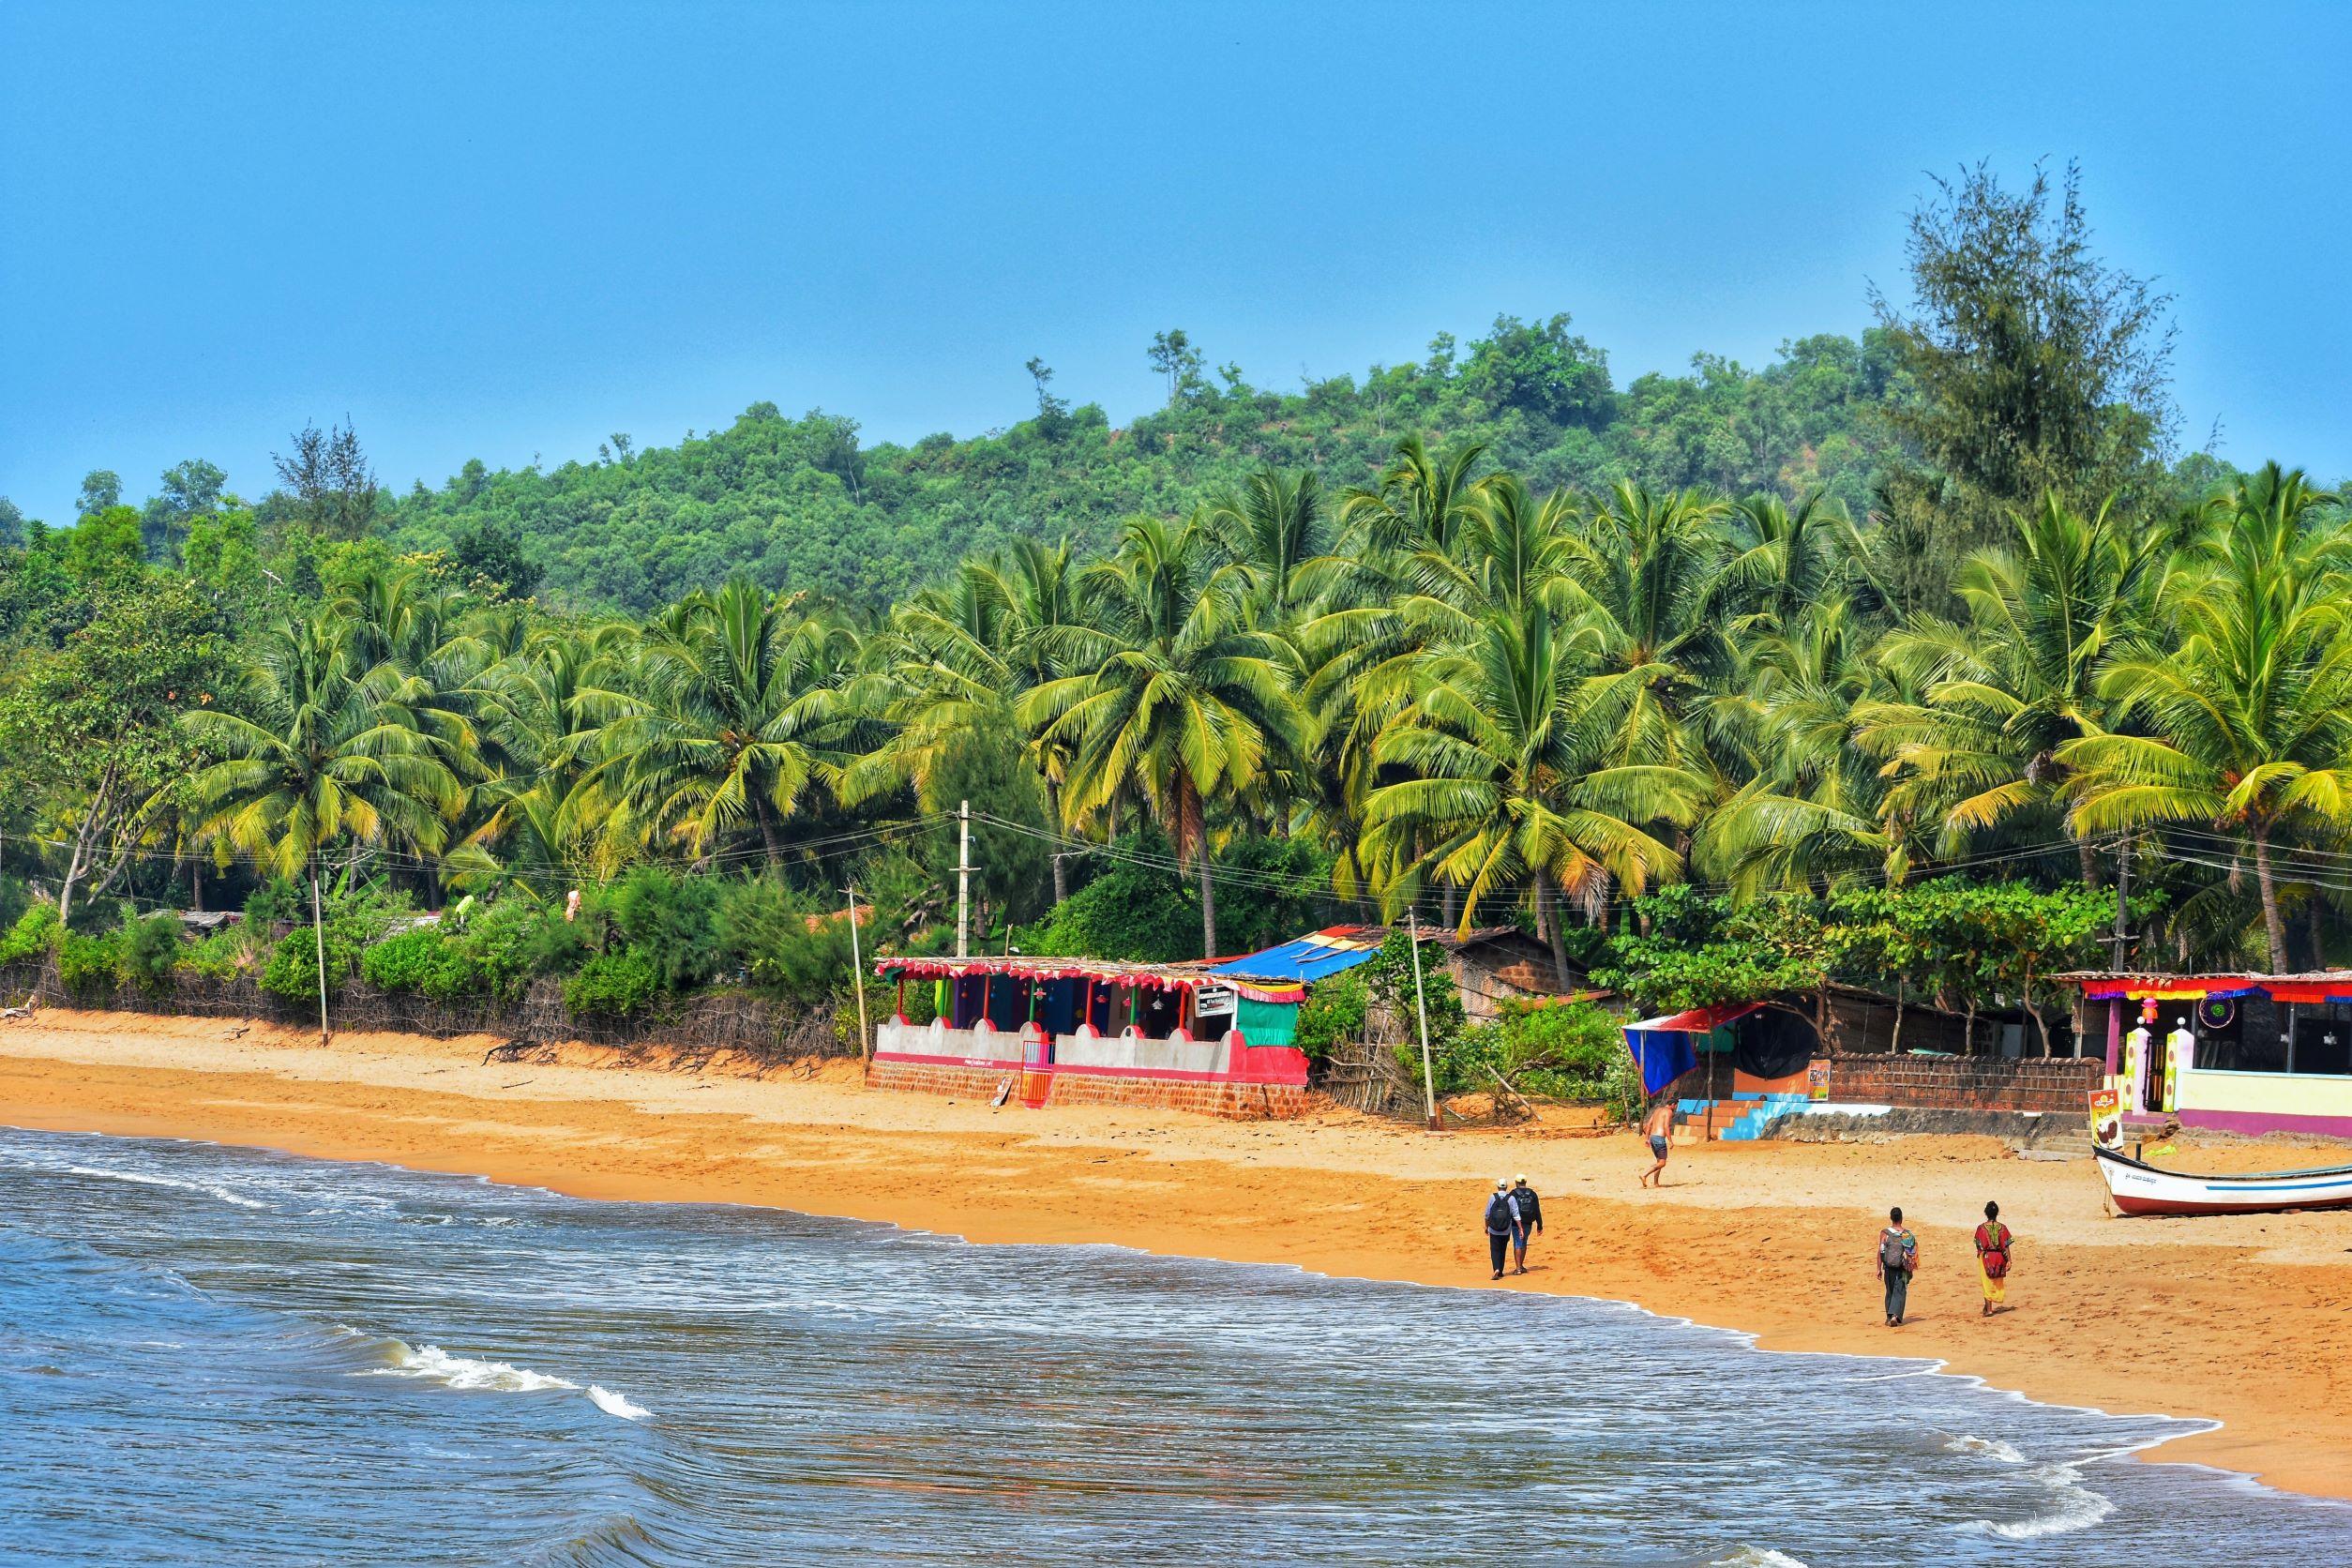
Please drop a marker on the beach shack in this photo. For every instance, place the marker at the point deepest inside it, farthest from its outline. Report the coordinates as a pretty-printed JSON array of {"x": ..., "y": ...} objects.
[
  {"x": 2243, "y": 1053},
  {"x": 1083, "y": 1031}
]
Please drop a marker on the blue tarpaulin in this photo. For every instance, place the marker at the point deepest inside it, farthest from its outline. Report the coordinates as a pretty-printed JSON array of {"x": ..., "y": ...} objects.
[
  {"x": 1308, "y": 958},
  {"x": 1663, "y": 1048}
]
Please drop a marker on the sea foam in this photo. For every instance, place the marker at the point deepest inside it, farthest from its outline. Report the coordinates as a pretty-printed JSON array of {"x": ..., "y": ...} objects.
[
  {"x": 431, "y": 1364},
  {"x": 221, "y": 1193},
  {"x": 2075, "y": 1506},
  {"x": 1992, "y": 1448},
  {"x": 616, "y": 1404}
]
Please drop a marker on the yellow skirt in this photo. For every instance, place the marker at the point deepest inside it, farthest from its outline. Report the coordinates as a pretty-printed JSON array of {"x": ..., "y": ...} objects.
[{"x": 1994, "y": 1289}]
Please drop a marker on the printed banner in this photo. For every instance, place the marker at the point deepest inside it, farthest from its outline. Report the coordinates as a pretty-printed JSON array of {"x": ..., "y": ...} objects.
[
  {"x": 1817, "y": 1079},
  {"x": 2106, "y": 1118}
]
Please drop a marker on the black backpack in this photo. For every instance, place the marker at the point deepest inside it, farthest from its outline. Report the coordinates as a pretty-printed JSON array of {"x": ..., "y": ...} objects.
[{"x": 1500, "y": 1215}]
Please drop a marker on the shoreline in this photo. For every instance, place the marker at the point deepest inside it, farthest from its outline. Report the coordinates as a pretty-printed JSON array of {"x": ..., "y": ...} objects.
[{"x": 2241, "y": 1320}]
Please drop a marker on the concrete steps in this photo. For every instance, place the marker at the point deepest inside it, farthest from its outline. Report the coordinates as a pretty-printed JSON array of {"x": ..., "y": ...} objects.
[{"x": 1742, "y": 1118}]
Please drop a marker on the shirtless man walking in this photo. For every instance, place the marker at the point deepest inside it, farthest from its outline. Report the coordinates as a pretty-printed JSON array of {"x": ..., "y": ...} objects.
[{"x": 1655, "y": 1127}]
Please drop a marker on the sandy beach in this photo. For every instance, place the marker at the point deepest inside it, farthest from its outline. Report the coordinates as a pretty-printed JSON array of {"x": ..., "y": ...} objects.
[{"x": 2247, "y": 1321}]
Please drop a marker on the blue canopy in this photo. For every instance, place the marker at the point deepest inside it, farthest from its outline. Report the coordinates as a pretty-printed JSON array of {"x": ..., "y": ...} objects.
[{"x": 1309, "y": 958}]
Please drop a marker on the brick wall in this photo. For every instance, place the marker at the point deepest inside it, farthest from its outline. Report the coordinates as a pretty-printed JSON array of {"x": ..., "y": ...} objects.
[
  {"x": 2057, "y": 1084},
  {"x": 1238, "y": 1102}
]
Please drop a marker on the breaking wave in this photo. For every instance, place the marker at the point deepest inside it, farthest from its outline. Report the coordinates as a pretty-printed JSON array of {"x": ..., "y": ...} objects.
[
  {"x": 431, "y": 1364},
  {"x": 617, "y": 1403},
  {"x": 1992, "y": 1448},
  {"x": 2075, "y": 1507}
]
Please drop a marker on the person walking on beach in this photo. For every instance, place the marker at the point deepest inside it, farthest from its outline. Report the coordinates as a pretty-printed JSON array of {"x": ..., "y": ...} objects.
[
  {"x": 1898, "y": 1260},
  {"x": 1502, "y": 1224},
  {"x": 1655, "y": 1125},
  {"x": 1530, "y": 1222},
  {"x": 1993, "y": 1242}
]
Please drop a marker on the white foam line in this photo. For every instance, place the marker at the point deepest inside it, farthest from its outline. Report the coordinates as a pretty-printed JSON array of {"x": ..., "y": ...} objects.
[{"x": 221, "y": 1193}]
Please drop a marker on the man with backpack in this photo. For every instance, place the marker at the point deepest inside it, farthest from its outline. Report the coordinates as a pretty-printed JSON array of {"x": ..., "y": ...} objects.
[
  {"x": 1502, "y": 1224},
  {"x": 1898, "y": 1260},
  {"x": 1530, "y": 1212},
  {"x": 1993, "y": 1242}
]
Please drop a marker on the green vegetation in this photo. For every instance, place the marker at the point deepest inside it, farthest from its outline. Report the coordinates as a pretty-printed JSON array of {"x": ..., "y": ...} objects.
[
  {"x": 1724, "y": 683},
  {"x": 1950, "y": 939}
]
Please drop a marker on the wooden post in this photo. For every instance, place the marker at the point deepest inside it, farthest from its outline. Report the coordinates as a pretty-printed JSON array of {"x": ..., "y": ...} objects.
[
  {"x": 318, "y": 931},
  {"x": 857, "y": 980},
  {"x": 1421, "y": 1005}
]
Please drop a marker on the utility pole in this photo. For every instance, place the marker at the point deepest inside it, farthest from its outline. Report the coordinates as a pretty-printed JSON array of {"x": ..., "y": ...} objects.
[
  {"x": 963, "y": 882},
  {"x": 1421, "y": 1005},
  {"x": 318, "y": 930},
  {"x": 857, "y": 979}
]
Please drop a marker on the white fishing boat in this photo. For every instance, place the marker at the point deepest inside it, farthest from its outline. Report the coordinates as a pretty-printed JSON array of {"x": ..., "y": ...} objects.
[{"x": 2140, "y": 1188}]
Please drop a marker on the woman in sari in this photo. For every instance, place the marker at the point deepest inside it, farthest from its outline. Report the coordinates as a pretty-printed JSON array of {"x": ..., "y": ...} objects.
[{"x": 1993, "y": 1242}]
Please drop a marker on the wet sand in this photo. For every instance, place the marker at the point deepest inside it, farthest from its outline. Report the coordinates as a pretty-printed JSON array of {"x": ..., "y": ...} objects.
[{"x": 2246, "y": 1320}]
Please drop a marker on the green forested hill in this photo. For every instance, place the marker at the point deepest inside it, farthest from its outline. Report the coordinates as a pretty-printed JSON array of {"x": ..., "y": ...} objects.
[{"x": 799, "y": 503}]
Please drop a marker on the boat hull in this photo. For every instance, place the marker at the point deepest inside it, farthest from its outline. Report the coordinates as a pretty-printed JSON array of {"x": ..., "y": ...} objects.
[{"x": 2137, "y": 1188}]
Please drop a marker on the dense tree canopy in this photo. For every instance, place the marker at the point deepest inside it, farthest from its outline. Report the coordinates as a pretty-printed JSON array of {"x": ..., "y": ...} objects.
[{"x": 1485, "y": 636}]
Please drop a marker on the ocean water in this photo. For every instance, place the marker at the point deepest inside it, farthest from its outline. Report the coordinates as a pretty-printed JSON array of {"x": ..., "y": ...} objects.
[{"x": 215, "y": 1356}]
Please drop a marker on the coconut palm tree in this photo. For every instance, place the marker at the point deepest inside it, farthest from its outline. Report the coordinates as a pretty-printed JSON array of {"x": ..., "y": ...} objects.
[
  {"x": 1646, "y": 580},
  {"x": 740, "y": 715},
  {"x": 1787, "y": 561},
  {"x": 2021, "y": 678},
  {"x": 1508, "y": 788},
  {"x": 1271, "y": 527},
  {"x": 1813, "y": 809},
  {"x": 1191, "y": 703},
  {"x": 546, "y": 815},
  {"x": 2248, "y": 715},
  {"x": 318, "y": 748},
  {"x": 1420, "y": 503}
]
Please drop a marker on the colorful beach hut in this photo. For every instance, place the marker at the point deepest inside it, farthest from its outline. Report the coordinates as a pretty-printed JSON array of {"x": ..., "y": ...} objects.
[
  {"x": 2243, "y": 1053},
  {"x": 1082, "y": 1029}
]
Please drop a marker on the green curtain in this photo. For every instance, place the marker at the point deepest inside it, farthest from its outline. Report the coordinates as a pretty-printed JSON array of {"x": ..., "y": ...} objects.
[{"x": 1266, "y": 1023}]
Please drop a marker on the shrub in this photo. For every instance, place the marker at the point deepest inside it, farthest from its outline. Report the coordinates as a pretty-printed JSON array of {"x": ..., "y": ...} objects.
[
  {"x": 402, "y": 963},
  {"x": 278, "y": 898},
  {"x": 221, "y": 956},
  {"x": 1333, "y": 1013},
  {"x": 556, "y": 945},
  {"x": 150, "y": 950},
  {"x": 789, "y": 945},
  {"x": 671, "y": 920},
  {"x": 491, "y": 955},
  {"x": 1565, "y": 1049},
  {"x": 89, "y": 965},
  {"x": 354, "y": 921},
  {"x": 612, "y": 984},
  {"x": 495, "y": 950},
  {"x": 34, "y": 934},
  {"x": 291, "y": 970}
]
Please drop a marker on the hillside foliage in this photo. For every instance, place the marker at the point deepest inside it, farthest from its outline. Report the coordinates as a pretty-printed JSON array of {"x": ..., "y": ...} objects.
[{"x": 1882, "y": 661}]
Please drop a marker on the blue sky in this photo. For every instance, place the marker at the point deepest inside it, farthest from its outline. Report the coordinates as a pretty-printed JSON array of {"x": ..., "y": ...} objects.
[{"x": 497, "y": 231}]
